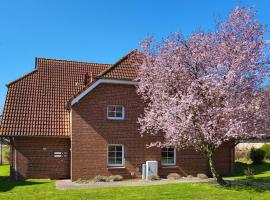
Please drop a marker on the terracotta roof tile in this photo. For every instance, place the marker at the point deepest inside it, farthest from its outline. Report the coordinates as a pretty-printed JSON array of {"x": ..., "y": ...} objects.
[
  {"x": 36, "y": 103},
  {"x": 126, "y": 68}
]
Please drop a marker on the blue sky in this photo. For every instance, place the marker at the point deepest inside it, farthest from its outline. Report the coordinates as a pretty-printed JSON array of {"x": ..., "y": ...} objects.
[{"x": 96, "y": 30}]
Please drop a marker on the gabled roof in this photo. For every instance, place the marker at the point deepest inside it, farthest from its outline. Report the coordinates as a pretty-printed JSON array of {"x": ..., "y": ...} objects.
[
  {"x": 20, "y": 78},
  {"x": 36, "y": 103},
  {"x": 124, "y": 71},
  {"x": 126, "y": 68}
]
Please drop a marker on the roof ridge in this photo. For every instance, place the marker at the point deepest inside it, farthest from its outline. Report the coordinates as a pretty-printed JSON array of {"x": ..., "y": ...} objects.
[
  {"x": 72, "y": 61},
  {"x": 21, "y": 77},
  {"x": 116, "y": 63}
]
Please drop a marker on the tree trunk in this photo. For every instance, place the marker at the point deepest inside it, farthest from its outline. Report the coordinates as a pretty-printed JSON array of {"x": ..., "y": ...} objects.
[{"x": 216, "y": 175}]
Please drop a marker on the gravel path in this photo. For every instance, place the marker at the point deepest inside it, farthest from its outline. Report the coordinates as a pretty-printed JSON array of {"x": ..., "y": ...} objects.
[{"x": 67, "y": 184}]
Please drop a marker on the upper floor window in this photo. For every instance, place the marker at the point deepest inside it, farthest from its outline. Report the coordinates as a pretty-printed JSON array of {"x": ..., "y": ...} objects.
[
  {"x": 116, "y": 112},
  {"x": 168, "y": 156}
]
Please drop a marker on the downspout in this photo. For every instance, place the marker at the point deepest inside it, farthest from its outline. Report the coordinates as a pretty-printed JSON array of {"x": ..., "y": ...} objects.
[
  {"x": 1, "y": 147},
  {"x": 70, "y": 126},
  {"x": 11, "y": 158},
  {"x": 14, "y": 150},
  {"x": 15, "y": 166}
]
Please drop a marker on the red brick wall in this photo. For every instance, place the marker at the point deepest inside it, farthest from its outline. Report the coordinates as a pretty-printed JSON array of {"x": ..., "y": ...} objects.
[
  {"x": 92, "y": 132},
  {"x": 224, "y": 158},
  {"x": 34, "y": 161}
]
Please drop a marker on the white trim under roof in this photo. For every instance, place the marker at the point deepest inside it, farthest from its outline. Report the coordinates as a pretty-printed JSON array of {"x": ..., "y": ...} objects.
[{"x": 110, "y": 81}]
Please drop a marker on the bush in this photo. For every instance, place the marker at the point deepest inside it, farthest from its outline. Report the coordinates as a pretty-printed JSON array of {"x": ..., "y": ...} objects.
[
  {"x": 82, "y": 181},
  {"x": 112, "y": 178},
  {"x": 99, "y": 178},
  {"x": 115, "y": 178},
  {"x": 202, "y": 176},
  {"x": 266, "y": 149},
  {"x": 173, "y": 176},
  {"x": 257, "y": 155}
]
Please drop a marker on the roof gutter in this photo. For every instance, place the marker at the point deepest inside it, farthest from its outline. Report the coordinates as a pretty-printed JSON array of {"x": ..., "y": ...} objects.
[{"x": 100, "y": 81}]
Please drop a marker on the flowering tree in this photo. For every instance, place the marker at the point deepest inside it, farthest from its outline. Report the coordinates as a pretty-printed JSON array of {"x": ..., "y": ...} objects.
[{"x": 204, "y": 91}]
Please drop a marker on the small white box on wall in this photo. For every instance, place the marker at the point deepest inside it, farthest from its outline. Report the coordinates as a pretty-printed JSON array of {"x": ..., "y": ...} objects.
[{"x": 58, "y": 154}]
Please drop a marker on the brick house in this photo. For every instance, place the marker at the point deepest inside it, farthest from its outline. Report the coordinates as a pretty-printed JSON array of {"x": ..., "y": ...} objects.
[{"x": 68, "y": 119}]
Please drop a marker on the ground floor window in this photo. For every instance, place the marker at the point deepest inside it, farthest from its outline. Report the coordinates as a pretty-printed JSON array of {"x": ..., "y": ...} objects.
[
  {"x": 168, "y": 156},
  {"x": 115, "y": 155}
]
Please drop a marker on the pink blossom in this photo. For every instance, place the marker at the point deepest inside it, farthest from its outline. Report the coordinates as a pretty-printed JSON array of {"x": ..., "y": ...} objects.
[{"x": 205, "y": 89}]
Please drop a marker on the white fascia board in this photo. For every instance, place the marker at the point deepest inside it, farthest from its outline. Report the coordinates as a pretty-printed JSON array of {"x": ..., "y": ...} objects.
[{"x": 100, "y": 81}]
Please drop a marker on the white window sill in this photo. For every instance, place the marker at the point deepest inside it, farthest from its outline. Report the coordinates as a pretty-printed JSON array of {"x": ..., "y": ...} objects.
[
  {"x": 112, "y": 118},
  {"x": 116, "y": 167},
  {"x": 169, "y": 166}
]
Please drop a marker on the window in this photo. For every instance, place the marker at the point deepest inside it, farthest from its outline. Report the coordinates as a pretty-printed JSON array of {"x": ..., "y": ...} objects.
[
  {"x": 168, "y": 156},
  {"x": 116, "y": 155},
  {"x": 116, "y": 112}
]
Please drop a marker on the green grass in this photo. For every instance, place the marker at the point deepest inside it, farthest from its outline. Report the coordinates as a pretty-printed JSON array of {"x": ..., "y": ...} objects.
[
  {"x": 261, "y": 172},
  {"x": 4, "y": 170},
  {"x": 45, "y": 189}
]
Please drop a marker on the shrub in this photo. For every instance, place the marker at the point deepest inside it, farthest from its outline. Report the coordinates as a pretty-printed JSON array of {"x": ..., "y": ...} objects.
[
  {"x": 173, "y": 176},
  {"x": 189, "y": 176},
  {"x": 115, "y": 178},
  {"x": 99, "y": 178},
  {"x": 266, "y": 149},
  {"x": 257, "y": 155},
  {"x": 82, "y": 181},
  {"x": 202, "y": 176},
  {"x": 249, "y": 173}
]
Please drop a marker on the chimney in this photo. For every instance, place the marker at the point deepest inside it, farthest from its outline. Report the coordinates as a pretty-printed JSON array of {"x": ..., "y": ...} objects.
[
  {"x": 88, "y": 78},
  {"x": 91, "y": 77}
]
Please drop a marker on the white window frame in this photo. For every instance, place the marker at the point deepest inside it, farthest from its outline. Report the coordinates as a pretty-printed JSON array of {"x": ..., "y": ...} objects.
[
  {"x": 174, "y": 158},
  {"x": 123, "y": 156},
  {"x": 116, "y": 118}
]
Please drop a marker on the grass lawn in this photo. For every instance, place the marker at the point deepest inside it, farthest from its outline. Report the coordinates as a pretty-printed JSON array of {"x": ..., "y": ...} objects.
[
  {"x": 261, "y": 172},
  {"x": 45, "y": 189},
  {"x": 4, "y": 170}
]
